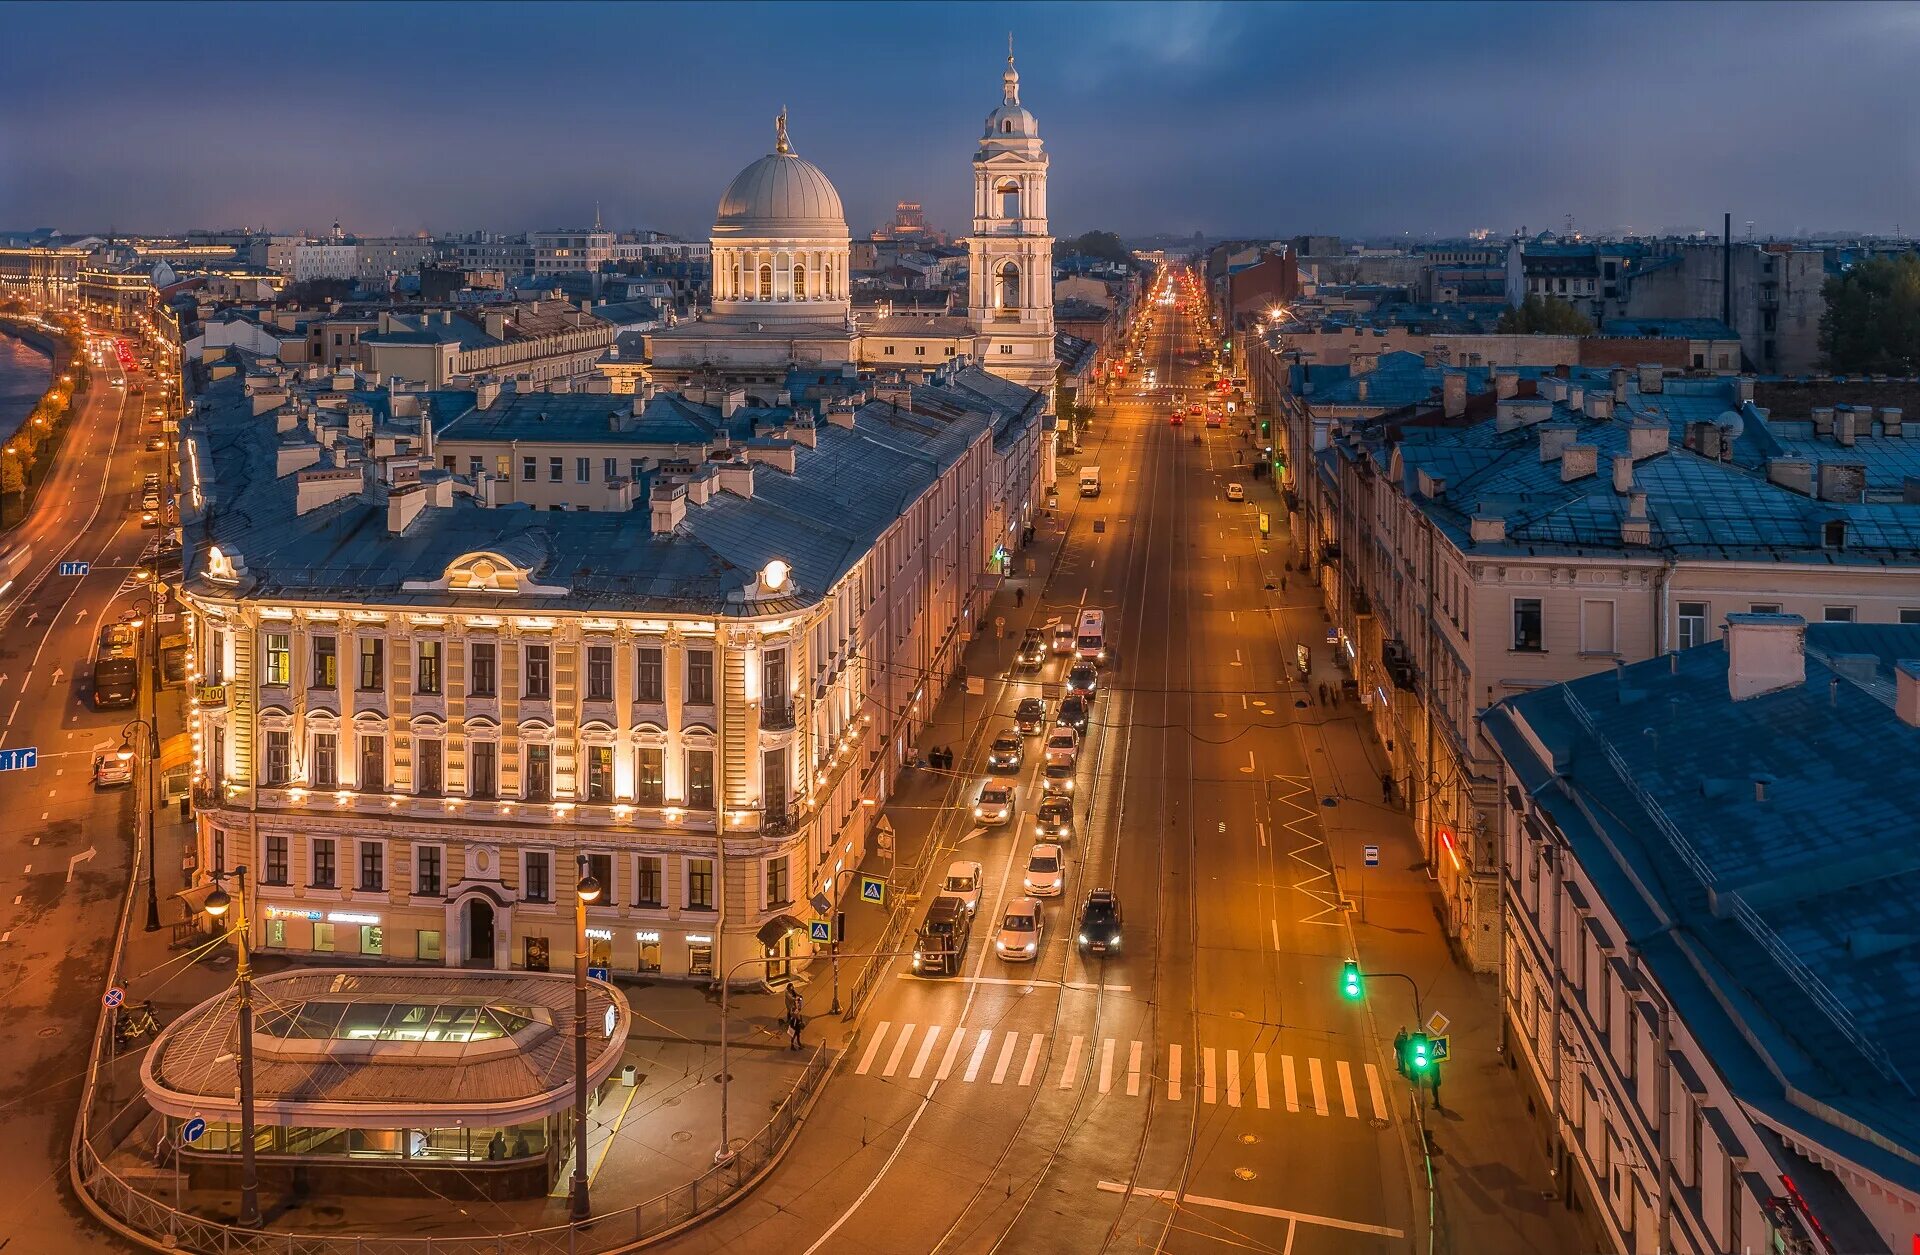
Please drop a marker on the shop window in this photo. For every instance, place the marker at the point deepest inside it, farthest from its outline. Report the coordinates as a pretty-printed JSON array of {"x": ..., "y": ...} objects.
[
  {"x": 699, "y": 957},
  {"x": 534, "y": 949},
  {"x": 275, "y": 936},
  {"x": 649, "y": 954},
  {"x": 427, "y": 945},
  {"x": 372, "y": 939},
  {"x": 323, "y": 936}
]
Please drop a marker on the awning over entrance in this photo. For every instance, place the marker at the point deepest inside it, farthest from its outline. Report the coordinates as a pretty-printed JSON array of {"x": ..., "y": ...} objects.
[{"x": 779, "y": 926}]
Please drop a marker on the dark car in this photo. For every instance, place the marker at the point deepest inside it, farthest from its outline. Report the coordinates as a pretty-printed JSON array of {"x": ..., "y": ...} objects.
[
  {"x": 1054, "y": 820},
  {"x": 1030, "y": 717},
  {"x": 1073, "y": 713},
  {"x": 1006, "y": 753},
  {"x": 1083, "y": 680},
  {"x": 1100, "y": 922},
  {"x": 1033, "y": 652}
]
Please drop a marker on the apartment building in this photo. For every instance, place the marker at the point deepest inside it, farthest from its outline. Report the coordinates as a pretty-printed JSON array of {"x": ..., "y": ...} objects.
[{"x": 532, "y": 340}]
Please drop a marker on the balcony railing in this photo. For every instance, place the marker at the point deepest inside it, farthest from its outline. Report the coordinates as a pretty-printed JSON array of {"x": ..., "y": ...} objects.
[{"x": 776, "y": 717}]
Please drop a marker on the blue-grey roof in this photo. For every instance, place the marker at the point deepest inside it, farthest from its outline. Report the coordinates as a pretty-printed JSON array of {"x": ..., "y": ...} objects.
[
  {"x": 1784, "y": 929},
  {"x": 667, "y": 419},
  {"x": 1670, "y": 328}
]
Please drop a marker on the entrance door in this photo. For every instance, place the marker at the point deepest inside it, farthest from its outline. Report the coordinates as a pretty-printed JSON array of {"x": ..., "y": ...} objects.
[
  {"x": 780, "y": 960},
  {"x": 479, "y": 934}
]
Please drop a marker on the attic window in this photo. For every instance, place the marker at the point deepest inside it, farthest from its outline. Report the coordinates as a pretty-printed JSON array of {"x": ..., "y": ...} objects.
[
  {"x": 1006, "y": 126},
  {"x": 1833, "y": 534}
]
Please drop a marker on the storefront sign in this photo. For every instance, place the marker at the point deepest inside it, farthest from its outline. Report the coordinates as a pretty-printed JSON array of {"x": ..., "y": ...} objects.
[
  {"x": 281, "y": 912},
  {"x": 351, "y": 917},
  {"x": 211, "y": 696},
  {"x": 646, "y": 937},
  {"x": 600, "y": 934},
  {"x": 699, "y": 939}
]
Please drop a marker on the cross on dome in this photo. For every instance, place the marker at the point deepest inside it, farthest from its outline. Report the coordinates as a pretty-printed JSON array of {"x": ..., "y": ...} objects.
[{"x": 1012, "y": 77}]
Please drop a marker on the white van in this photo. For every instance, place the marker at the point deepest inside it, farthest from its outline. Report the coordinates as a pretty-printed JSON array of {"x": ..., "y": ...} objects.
[{"x": 1090, "y": 643}]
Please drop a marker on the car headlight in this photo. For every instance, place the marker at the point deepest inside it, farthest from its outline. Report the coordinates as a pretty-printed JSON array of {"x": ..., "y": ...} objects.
[
  {"x": 1031, "y": 947},
  {"x": 978, "y": 814},
  {"x": 1000, "y": 945},
  {"x": 1083, "y": 940},
  {"x": 1027, "y": 881}
]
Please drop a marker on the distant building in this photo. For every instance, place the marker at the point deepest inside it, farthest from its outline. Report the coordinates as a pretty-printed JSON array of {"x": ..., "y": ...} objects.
[
  {"x": 910, "y": 224},
  {"x": 579, "y": 250},
  {"x": 1777, "y": 298}
]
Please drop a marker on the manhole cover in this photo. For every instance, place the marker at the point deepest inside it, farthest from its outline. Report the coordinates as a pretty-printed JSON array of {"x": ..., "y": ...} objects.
[
  {"x": 683, "y": 1136},
  {"x": 1248, "y": 1139},
  {"x": 1245, "y": 1174},
  {"x": 1299, "y": 705},
  {"x": 50, "y": 1030},
  {"x": 722, "y": 1078}
]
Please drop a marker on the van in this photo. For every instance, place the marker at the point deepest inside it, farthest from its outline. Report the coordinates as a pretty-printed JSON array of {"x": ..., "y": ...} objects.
[
  {"x": 1089, "y": 481},
  {"x": 1090, "y": 642}
]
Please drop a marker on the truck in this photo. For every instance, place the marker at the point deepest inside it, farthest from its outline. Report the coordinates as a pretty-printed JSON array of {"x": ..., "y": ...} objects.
[{"x": 1089, "y": 481}]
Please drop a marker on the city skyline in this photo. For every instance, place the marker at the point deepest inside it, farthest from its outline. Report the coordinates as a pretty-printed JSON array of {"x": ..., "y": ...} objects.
[{"x": 1326, "y": 119}]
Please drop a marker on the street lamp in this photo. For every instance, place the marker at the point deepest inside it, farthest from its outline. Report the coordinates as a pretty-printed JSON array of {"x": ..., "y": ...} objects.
[
  {"x": 151, "y": 744},
  {"x": 586, "y": 889},
  {"x": 217, "y": 904}
]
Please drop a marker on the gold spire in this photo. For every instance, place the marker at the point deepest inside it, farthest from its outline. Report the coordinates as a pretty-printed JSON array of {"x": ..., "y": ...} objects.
[{"x": 780, "y": 144}]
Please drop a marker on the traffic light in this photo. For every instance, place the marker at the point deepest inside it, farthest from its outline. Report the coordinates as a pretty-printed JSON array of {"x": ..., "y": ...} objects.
[
  {"x": 1419, "y": 1055},
  {"x": 1266, "y": 427},
  {"x": 1351, "y": 985}
]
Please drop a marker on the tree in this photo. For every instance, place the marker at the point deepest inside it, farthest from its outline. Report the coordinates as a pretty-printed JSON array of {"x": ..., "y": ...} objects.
[
  {"x": 1545, "y": 316},
  {"x": 13, "y": 475},
  {"x": 1104, "y": 245},
  {"x": 1872, "y": 323}
]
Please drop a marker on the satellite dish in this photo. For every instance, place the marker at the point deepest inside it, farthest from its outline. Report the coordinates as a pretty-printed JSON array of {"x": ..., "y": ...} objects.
[{"x": 1732, "y": 423}]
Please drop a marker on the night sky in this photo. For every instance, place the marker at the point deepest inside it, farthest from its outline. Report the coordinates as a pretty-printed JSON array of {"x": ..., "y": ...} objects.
[{"x": 1225, "y": 118}]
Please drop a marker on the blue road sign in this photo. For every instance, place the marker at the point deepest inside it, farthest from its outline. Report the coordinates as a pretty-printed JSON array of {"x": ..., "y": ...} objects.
[
  {"x": 75, "y": 568},
  {"x": 820, "y": 930},
  {"x": 874, "y": 890},
  {"x": 598, "y": 973},
  {"x": 1437, "y": 1048},
  {"x": 191, "y": 1131},
  {"x": 20, "y": 759},
  {"x": 1373, "y": 856},
  {"x": 114, "y": 996}
]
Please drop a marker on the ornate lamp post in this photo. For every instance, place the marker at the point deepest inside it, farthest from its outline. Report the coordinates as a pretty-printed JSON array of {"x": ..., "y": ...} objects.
[
  {"x": 586, "y": 889},
  {"x": 217, "y": 905}
]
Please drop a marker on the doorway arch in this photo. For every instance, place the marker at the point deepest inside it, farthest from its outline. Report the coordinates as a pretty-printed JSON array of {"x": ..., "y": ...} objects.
[{"x": 479, "y": 932}]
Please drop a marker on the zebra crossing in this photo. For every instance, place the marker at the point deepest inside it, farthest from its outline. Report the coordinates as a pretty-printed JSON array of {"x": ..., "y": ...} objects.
[{"x": 1211, "y": 1075}]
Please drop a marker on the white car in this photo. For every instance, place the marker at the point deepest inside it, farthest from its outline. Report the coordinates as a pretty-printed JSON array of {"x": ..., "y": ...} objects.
[
  {"x": 1046, "y": 872},
  {"x": 109, "y": 771},
  {"x": 963, "y": 882},
  {"x": 1019, "y": 937},
  {"x": 1063, "y": 746},
  {"x": 1236, "y": 493},
  {"x": 995, "y": 804}
]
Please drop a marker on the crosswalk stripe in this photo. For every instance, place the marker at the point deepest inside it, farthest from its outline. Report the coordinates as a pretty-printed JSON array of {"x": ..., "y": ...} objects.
[
  {"x": 1318, "y": 1076},
  {"x": 1173, "y": 1072},
  {"x": 926, "y": 1052},
  {"x": 1071, "y": 1071},
  {"x": 1373, "y": 1092},
  {"x": 1209, "y": 1091},
  {"x": 1233, "y": 1078},
  {"x": 873, "y": 1047},
  {"x": 1291, "y": 1090},
  {"x": 1260, "y": 1080},
  {"x": 958, "y": 1040},
  {"x": 1006, "y": 1057},
  {"x": 1106, "y": 1064},
  {"x": 1133, "y": 1069},
  {"x": 899, "y": 1050},
  {"x": 1033, "y": 1061},
  {"x": 979, "y": 1053},
  {"x": 1346, "y": 1088}
]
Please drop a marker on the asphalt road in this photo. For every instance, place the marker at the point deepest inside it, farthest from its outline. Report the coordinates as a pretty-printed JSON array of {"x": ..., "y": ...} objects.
[
  {"x": 65, "y": 848},
  {"x": 1204, "y": 1090}
]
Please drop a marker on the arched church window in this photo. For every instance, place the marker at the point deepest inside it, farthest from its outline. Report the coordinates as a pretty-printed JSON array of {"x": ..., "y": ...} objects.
[
  {"x": 1008, "y": 193},
  {"x": 799, "y": 283},
  {"x": 1009, "y": 287},
  {"x": 1006, "y": 126},
  {"x": 766, "y": 283}
]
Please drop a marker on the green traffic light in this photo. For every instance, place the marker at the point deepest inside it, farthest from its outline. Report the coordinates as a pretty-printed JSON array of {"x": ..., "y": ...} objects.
[
  {"x": 1350, "y": 982},
  {"x": 1419, "y": 1052}
]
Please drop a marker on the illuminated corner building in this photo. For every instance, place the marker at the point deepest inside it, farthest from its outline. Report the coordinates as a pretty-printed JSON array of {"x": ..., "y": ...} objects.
[{"x": 447, "y": 641}]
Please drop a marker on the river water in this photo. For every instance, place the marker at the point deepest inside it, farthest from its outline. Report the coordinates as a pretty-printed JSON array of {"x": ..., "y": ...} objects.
[{"x": 25, "y": 373}]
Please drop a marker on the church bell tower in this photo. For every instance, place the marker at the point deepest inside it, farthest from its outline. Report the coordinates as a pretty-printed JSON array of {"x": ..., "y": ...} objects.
[{"x": 1010, "y": 254}]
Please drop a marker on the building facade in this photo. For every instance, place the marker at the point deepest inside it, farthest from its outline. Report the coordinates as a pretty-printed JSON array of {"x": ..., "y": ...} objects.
[{"x": 1010, "y": 254}]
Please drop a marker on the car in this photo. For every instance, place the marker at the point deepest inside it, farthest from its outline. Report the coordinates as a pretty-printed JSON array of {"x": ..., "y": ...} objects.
[
  {"x": 1083, "y": 680},
  {"x": 1063, "y": 638},
  {"x": 1063, "y": 745},
  {"x": 1100, "y": 924},
  {"x": 1073, "y": 714},
  {"x": 1057, "y": 777},
  {"x": 1030, "y": 717},
  {"x": 109, "y": 771},
  {"x": 1006, "y": 753},
  {"x": 995, "y": 805},
  {"x": 1236, "y": 493},
  {"x": 1053, "y": 821},
  {"x": 963, "y": 882},
  {"x": 1020, "y": 931},
  {"x": 1046, "y": 871},
  {"x": 1177, "y": 419},
  {"x": 1032, "y": 654}
]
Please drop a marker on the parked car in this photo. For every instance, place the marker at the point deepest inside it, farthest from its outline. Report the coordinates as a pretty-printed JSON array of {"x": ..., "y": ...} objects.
[
  {"x": 1236, "y": 493},
  {"x": 1046, "y": 872},
  {"x": 1033, "y": 651}
]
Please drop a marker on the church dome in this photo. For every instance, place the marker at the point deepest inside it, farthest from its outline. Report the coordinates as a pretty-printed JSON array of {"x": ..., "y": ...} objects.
[{"x": 781, "y": 194}]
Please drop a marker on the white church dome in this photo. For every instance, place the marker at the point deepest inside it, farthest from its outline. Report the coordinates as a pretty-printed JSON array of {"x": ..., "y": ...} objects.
[{"x": 781, "y": 195}]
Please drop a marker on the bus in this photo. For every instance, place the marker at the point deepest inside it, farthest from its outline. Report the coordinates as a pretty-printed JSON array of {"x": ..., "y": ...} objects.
[
  {"x": 13, "y": 567},
  {"x": 1090, "y": 643},
  {"x": 116, "y": 667}
]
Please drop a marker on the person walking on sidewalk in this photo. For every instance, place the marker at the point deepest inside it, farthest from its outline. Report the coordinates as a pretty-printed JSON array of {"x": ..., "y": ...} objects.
[
  {"x": 1386, "y": 787},
  {"x": 795, "y": 1022},
  {"x": 1019, "y": 598}
]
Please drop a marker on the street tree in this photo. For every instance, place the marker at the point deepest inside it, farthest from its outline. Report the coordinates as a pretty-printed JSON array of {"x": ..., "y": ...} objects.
[
  {"x": 1872, "y": 323},
  {"x": 1545, "y": 316}
]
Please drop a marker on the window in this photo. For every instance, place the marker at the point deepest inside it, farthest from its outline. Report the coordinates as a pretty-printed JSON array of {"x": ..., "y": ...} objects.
[
  {"x": 1007, "y": 349},
  {"x": 216, "y": 658},
  {"x": 700, "y": 779},
  {"x": 326, "y": 760},
  {"x": 773, "y": 682},
  {"x": 325, "y": 871},
  {"x": 503, "y": 466},
  {"x": 700, "y": 884},
  {"x": 799, "y": 283},
  {"x": 276, "y": 934},
  {"x": 373, "y": 663},
  {"x": 372, "y": 939},
  {"x": 599, "y": 773},
  {"x": 599, "y": 673},
  {"x": 556, "y": 472},
  {"x": 476, "y": 464},
  {"x": 1526, "y": 624},
  {"x": 483, "y": 771},
  {"x": 777, "y": 890},
  {"x": 1837, "y": 614},
  {"x": 373, "y": 866},
  {"x": 529, "y": 469},
  {"x": 426, "y": 671},
  {"x": 276, "y": 860},
  {"x": 537, "y": 882},
  {"x": 426, "y": 870},
  {"x": 600, "y": 867},
  {"x": 373, "y": 763},
  {"x": 700, "y": 677},
  {"x": 427, "y": 947},
  {"x": 1773, "y": 607},
  {"x": 919, "y": 350},
  {"x": 650, "y": 772},
  {"x": 539, "y": 660},
  {"x": 649, "y": 675},
  {"x": 1910, "y": 614},
  {"x": 583, "y": 470},
  {"x": 1693, "y": 624},
  {"x": 766, "y": 283},
  {"x": 774, "y": 771},
  {"x": 481, "y": 683},
  {"x": 1596, "y": 627},
  {"x": 279, "y": 766},
  {"x": 429, "y": 776},
  {"x": 610, "y": 468},
  {"x": 888, "y": 351},
  {"x": 646, "y": 885},
  {"x": 539, "y": 781},
  {"x": 326, "y": 662},
  {"x": 323, "y": 937}
]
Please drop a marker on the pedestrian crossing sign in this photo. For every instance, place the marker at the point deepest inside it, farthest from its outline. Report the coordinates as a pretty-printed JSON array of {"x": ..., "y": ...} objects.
[
  {"x": 874, "y": 890},
  {"x": 820, "y": 930},
  {"x": 1437, "y": 1048}
]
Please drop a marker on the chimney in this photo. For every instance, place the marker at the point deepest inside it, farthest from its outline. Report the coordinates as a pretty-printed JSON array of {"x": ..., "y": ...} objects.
[
  {"x": 1636, "y": 528},
  {"x": 1890, "y": 420},
  {"x": 1505, "y": 383},
  {"x": 1742, "y": 391},
  {"x": 404, "y": 505},
  {"x": 1489, "y": 529},
  {"x": 1704, "y": 439},
  {"x": 1618, "y": 378},
  {"x": 1906, "y": 697},
  {"x": 736, "y": 478},
  {"x": 1363, "y": 361},
  {"x": 1765, "y": 653},
  {"x": 1600, "y": 405},
  {"x": 1793, "y": 474},
  {"x": 1360, "y": 389},
  {"x": 1578, "y": 461},
  {"x": 323, "y": 486},
  {"x": 1453, "y": 393},
  {"x": 1554, "y": 438},
  {"x": 669, "y": 502},
  {"x": 1576, "y": 398},
  {"x": 700, "y": 487},
  {"x": 1623, "y": 472},
  {"x": 731, "y": 402},
  {"x": 1510, "y": 413},
  {"x": 841, "y": 414},
  {"x": 1652, "y": 380},
  {"x": 1843, "y": 426},
  {"x": 1823, "y": 420},
  {"x": 1842, "y": 481},
  {"x": 1645, "y": 440}
]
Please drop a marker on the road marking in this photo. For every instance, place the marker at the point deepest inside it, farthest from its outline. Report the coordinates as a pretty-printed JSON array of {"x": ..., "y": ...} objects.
[
  {"x": 953, "y": 1052},
  {"x": 1133, "y": 1069},
  {"x": 1276, "y": 934},
  {"x": 899, "y": 1050},
  {"x": 1345, "y": 1074},
  {"x": 1106, "y": 1064},
  {"x": 1031, "y": 792},
  {"x": 926, "y": 1052},
  {"x": 1374, "y": 1092},
  {"x": 1249, "y": 768},
  {"x": 1287, "y": 1085},
  {"x": 1033, "y": 1060},
  {"x": 1251, "y": 1209},
  {"x": 1260, "y": 1080},
  {"x": 1173, "y": 1072},
  {"x": 979, "y": 1053},
  {"x": 1233, "y": 1078},
  {"x": 1262, "y": 830},
  {"x": 1006, "y": 1057},
  {"x": 29, "y": 870},
  {"x": 1317, "y": 1075},
  {"x": 1070, "y": 1072},
  {"x": 1209, "y": 1091},
  {"x": 873, "y": 1047}
]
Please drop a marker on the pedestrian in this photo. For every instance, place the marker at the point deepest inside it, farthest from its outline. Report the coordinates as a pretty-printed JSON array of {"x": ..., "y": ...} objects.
[
  {"x": 497, "y": 1148},
  {"x": 1283, "y": 583},
  {"x": 1434, "y": 1071},
  {"x": 1400, "y": 1052},
  {"x": 795, "y": 1022},
  {"x": 1019, "y": 597},
  {"x": 521, "y": 1149},
  {"x": 1386, "y": 786},
  {"x": 1323, "y": 692}
]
